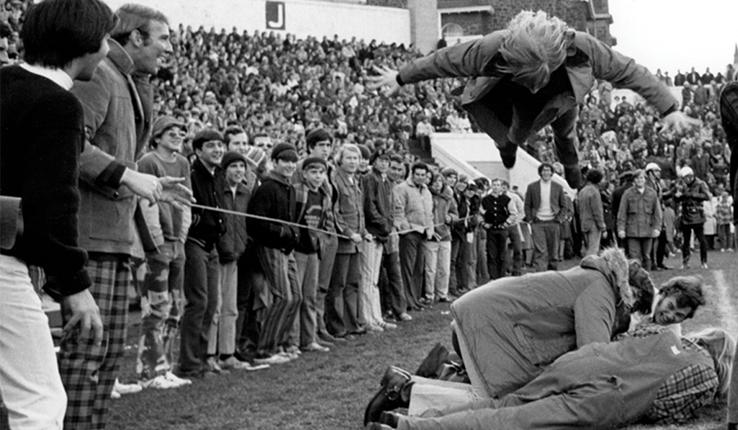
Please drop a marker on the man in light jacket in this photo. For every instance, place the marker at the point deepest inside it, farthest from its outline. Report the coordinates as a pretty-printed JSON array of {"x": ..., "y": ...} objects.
[{"x": 413, "y": 217}]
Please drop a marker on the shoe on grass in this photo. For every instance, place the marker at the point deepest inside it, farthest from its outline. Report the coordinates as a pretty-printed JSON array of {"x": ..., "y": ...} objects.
[
  {"x": 376, "y": 328},
  {"x": 272, "y": 359},
  {"x": 211, "y": 364},
  {"x": 315, "y": 347},
  {"x": 405, "y": 317},
  {"x": 171, "y": 377},
  {"x": 159, "y": 383},
  {"x": 387, "y": 325},
  {"x": 124, "y": 389}
]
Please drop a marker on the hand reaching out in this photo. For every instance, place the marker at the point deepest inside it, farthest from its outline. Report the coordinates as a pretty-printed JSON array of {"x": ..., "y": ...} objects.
[
  {"x": 679, "y": 122},
  {"x": 386, "y": 81}
]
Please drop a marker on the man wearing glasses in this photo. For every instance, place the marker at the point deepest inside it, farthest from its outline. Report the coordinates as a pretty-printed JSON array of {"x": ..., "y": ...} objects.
[{"x": 162, "y": 287}]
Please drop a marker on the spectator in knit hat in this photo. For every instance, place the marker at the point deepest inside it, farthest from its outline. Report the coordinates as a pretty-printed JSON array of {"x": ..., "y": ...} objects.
[
  {"x": 231, "y": 245},
  {"x": 274, "y": 243},
  {"x": 691, "y": 192},
  {"x": 320, "y": 144},
  {"x": 313, "y": 205},
  {"x": 202, "y": 274},
  {"x": 162, "y": 286}
]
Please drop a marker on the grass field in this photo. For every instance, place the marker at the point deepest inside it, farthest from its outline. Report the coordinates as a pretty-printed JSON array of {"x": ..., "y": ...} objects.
[{"x": 330, "y": 391}]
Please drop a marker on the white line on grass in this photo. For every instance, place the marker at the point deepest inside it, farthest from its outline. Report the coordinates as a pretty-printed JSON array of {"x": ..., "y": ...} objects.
[{"x": 724, "y": 306}]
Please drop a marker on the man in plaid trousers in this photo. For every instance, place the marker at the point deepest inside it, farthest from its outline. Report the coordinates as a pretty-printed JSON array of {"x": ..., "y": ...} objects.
[{"x": 117, "y": 121}]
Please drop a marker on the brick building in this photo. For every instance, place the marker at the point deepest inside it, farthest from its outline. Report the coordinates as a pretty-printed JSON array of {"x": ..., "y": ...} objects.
[{"x": 478, "y": 17}]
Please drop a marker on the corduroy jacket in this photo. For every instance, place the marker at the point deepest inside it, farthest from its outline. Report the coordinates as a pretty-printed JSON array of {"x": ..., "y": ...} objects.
[{"x": 117, "y": 125}]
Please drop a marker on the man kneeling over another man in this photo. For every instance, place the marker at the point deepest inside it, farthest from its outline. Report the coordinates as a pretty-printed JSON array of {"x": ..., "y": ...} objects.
[{"x": 508, "y": 331}]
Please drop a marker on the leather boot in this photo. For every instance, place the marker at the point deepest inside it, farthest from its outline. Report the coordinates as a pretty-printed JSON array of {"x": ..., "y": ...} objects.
[{"x": 394, "y": 393}]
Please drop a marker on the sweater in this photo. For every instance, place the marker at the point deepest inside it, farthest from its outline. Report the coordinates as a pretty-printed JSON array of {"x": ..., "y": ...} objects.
[
  {"x": 275, "y": 198},
  {"x": 41, "y": 137},
  {"x": 495, "y": 211},
  {"x": 171, "y": 222}
]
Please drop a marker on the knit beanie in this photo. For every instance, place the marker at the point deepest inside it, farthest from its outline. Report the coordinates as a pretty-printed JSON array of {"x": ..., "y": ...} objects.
[
  {"x": 314, "y": 162},
  {"x": 284, "y": 151},
  {"x": 231, "y": 157}
]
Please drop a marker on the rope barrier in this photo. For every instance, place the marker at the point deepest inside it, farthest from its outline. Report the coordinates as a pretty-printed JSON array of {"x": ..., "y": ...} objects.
[{"x": 280, "y": 221}]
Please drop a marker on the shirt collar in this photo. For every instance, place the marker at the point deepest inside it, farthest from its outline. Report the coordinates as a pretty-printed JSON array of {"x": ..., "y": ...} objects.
[{"x": 57, "y": 76}]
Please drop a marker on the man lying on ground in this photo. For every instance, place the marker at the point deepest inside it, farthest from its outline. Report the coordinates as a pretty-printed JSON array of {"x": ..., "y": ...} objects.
[{"x": 660, "y": 377}]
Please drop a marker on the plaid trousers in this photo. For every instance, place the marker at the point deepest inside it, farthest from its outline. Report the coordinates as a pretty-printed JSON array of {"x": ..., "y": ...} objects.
[{"x": 88, "y": 371}]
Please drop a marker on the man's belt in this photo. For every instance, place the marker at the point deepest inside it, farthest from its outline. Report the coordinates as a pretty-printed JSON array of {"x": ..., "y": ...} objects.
[{"x": 11, "y": 222}]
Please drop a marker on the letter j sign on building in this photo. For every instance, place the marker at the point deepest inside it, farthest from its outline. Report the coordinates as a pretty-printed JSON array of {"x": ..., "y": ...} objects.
[{"x": 275, "y": 15}]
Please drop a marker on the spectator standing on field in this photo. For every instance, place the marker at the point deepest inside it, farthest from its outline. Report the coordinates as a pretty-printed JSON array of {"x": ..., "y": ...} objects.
[
  {"x": 545, "y": 209},
  {"x": 41, "y": 138},
  {"x": 162, "y": 300},
  {"x": 117, "y": 111},
  {"x": 275, "y": 198},
  {"x": 639, "y": 219},
  {"x": 202, "y": 270},
  {"x": 691, "y": 192},
  {"x": 231, "y": 245},
  {"x": 313, "y": 206},
  {"x": 591, "y": 214},
  {"x": 343, "y": 302}
]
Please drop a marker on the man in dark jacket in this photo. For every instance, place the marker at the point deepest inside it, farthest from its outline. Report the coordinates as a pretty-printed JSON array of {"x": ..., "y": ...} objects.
[
  {"x": 626, "y": 181},
  {"x": 274, "y": 241},
  {"x": 379, "y": 223},
  {"x": 691, "y": 193},
  {"x": 591, "y": 213},
  {"x": 201, "y": 264},
  {"x": 461, "y": 245},
  {"x": 235, "y": 196},
  {"x": 524, "y": 78},
  {"x": 495, "y": 208},
  {"x": 320, "y": 144},
  {"x": 41, "y": 137},
  {"x": 313, "y": 209}
]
